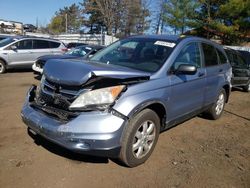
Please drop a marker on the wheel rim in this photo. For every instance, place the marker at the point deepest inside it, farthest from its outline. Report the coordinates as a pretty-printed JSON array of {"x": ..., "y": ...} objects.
[
  {"x": 219, "y": 104},
  {"x": 144, "y": 139},
  {"x": 1, "y": 67},
  {"x": 248, "y": 88}
]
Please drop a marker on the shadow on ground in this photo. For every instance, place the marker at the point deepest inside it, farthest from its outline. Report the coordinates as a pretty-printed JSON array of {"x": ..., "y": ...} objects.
[
  {"x": 58, "y": 150},
  {"x": 18, "y": 70}
]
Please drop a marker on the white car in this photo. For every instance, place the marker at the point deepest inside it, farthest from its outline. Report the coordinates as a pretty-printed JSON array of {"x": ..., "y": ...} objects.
[{"x": 22, "y": 51}]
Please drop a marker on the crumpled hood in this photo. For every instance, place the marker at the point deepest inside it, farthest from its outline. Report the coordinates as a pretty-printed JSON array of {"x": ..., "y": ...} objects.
[{"x": 76, "y": 73}]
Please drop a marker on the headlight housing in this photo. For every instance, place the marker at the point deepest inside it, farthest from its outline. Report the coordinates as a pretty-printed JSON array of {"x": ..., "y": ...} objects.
[{"x": 97, "y": 99}]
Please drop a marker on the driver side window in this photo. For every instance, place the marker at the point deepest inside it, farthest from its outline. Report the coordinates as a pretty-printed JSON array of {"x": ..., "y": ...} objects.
[
  {"x": 24, "y": 45},
  {"x": 190, "y": 54}
]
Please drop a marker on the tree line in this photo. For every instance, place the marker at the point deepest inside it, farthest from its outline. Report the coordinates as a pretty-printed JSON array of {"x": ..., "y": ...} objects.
[{"x": 228, "y": 20}]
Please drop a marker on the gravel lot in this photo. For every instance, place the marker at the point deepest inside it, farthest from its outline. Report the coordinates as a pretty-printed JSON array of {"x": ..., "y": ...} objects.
[{"x": 197, "y": 153}]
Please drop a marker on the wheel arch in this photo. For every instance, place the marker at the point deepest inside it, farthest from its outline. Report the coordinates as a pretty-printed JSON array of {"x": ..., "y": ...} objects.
[
  {"x": 157, "y": 106},
  {"x": 227, "y": 90},
  {"x": 3, "y": 60}
]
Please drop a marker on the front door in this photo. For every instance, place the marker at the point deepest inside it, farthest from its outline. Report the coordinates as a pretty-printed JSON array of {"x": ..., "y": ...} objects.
[
  {"x": 187, "y": 93},
  {"x": 22, "y": 55}
]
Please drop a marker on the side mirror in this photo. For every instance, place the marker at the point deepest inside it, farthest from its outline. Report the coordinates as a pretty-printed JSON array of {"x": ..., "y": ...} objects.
[
  {"x": 186, "y": 69},
  {"x": 13, "y": 47}
]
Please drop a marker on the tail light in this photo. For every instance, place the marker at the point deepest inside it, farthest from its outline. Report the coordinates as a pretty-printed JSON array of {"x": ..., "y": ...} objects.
[{"x": 64, "y": 49}]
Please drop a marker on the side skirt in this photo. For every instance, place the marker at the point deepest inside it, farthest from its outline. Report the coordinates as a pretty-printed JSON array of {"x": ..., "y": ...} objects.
[{"x": 177, "y": 121}]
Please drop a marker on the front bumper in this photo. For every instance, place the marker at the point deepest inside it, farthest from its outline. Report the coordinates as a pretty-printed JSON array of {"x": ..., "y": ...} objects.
[{"x": 94, "y": 133}]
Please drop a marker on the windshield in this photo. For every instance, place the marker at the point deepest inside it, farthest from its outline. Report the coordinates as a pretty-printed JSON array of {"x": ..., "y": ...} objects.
[
  {"x": 142, "y": 54},
  {"x": 6, "y": 41},
  {"x": 79, "y": 51}
]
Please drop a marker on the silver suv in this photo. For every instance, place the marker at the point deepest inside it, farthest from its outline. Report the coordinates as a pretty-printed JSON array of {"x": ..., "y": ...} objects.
[
  {"x": 22, "y": 51},
  {"x": 117, "y": 103}
]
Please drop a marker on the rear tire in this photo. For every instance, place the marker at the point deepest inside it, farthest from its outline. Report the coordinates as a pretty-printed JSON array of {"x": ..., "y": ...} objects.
[
  {"x": 216, "y": 110},
  {"x": 139, "y": 138},
  {"x": 247, "y": 88},
  {"x": 2, "y": 67}
]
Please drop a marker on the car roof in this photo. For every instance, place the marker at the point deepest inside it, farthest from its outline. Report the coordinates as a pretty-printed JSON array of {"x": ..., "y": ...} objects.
[
  {"x": 173, "y": 38},
  {"x": 18, "y": 37},
  {"x": 159, "y": 37}
]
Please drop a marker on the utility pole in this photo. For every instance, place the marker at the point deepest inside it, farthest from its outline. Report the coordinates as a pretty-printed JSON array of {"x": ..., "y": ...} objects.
[
  {"x": 66, "y": 23},
  {"x": 36, "y": 22}
]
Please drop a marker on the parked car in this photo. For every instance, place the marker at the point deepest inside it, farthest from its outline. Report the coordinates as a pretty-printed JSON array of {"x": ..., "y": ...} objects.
[
  {"x": 22, "y": 51},
  {"x": 81, "y": 52},
  {"x": 117, "y": 103},
  {"x": 3, "y": 37},
  {"x": 29, "y": 27},
  {"x": 241, "y": 70},
  {"x": 74, "y": 44}
]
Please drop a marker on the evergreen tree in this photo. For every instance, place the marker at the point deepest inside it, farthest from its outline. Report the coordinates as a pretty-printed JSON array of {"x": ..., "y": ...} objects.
[
  {"x": 69, "y": 19},
  {"x": 178, "y": 14}
]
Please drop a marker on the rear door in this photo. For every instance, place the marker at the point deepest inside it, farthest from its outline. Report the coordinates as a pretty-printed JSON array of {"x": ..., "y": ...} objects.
[
  {"x": 214, "y": 72},
  {"x": 40, "y": 48},
  {"x": 187, "y": 90}
]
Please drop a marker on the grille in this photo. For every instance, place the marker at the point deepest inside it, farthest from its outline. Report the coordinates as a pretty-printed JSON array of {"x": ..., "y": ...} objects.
[
  {"x": 54, "y": 100},
  {"x": 57, "y": 96}
]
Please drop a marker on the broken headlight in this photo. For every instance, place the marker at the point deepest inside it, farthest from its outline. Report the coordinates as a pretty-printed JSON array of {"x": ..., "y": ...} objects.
[{"x": 97, "y": 99}]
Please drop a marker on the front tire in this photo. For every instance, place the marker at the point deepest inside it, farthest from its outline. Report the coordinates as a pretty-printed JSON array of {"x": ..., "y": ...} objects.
[
  {"x": 140, "y": 138},
  {"x": 2, "y": 67},
  {"x": 215, "y": 111}
]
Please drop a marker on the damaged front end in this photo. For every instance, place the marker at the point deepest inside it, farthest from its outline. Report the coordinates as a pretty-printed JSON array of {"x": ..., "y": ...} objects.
[
  {"x": 79, "y": 115},
  {"x": 37, "y": 101},
  {"x": 65, "y": 102}
]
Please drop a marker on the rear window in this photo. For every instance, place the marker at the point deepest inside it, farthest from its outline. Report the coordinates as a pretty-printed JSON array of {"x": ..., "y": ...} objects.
[{"x": 210, "y": 55}]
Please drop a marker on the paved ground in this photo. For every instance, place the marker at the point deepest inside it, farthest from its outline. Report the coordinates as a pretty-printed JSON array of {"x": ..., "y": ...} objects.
[{"x": 197, "y": 153}]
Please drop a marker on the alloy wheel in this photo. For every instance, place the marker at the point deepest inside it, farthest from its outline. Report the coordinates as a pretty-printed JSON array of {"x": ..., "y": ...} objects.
[
  {"x": 144, "y": 139},
  {"x": 220, "y": 104}
]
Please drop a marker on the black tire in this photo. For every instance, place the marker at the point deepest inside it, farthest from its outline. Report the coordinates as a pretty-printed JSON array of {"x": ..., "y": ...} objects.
[
  {"x": 216, "y": 110},
  {"x": 128, "y": 155},
  {"x": 247, "y": 88},
  {"x": 2, "y": 67}
]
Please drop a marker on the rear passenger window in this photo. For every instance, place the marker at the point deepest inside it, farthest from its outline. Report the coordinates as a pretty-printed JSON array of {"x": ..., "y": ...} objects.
[
  {"x": 222, "y": 57},
  {"x": 40, "y": 44},
  {"x": 190, "y": 54},
  {"x": 54, "y": 44},
  {"x": 210, "y": 55}
]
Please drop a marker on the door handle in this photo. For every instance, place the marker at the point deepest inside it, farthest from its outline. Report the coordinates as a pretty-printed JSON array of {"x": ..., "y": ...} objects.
[
  {"x": 220, "y": 70},
  {"x": 200, "y": 74}
]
